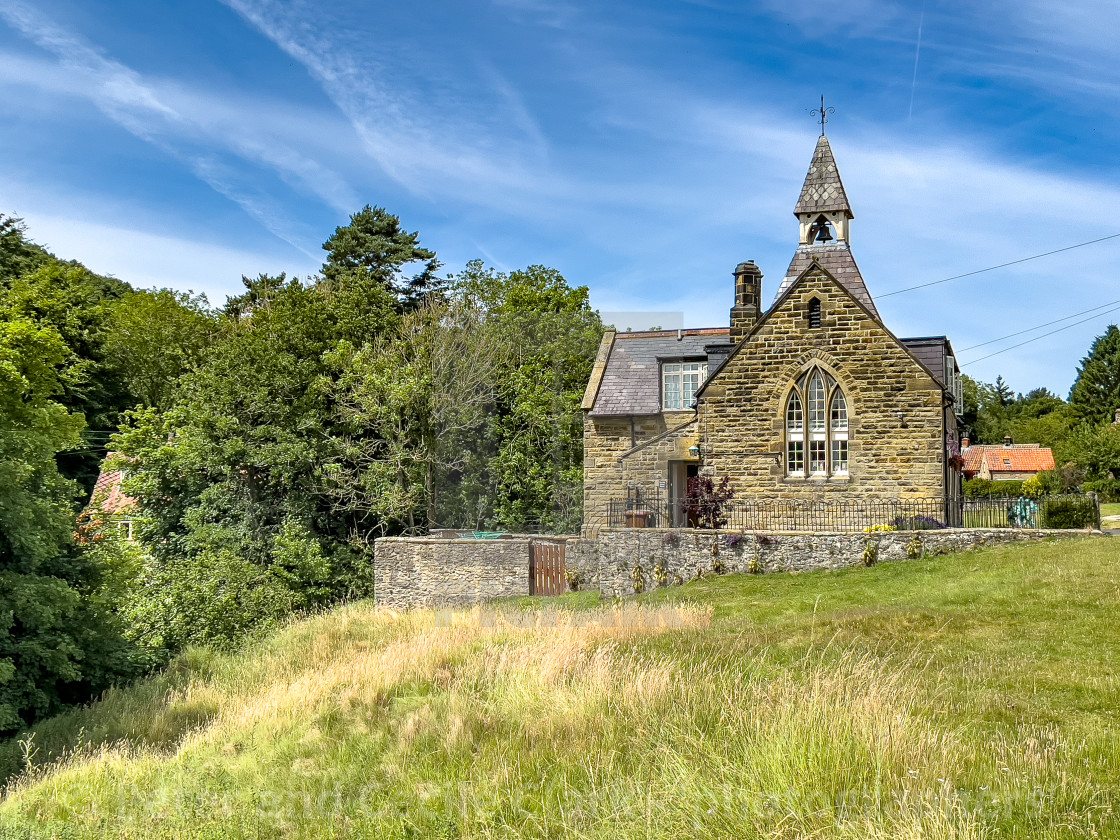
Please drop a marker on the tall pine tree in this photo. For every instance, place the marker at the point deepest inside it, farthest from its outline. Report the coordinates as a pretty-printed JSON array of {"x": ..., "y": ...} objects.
[{"x": 1095, "y": 396}]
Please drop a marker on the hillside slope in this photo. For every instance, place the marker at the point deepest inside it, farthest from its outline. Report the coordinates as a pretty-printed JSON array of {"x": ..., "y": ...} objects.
[{"x": 966, "y": 696}]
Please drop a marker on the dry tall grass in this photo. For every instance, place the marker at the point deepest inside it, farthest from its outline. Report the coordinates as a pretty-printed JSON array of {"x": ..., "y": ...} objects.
[{"x": 483, "y": 723}]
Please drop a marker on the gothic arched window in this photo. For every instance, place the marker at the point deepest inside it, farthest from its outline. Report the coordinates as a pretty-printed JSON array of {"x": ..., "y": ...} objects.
[{"x": 816, "y": 422}]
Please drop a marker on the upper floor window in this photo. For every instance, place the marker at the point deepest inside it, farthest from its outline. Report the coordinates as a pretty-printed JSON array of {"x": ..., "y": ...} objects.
[
  {"x": 818, "y": 447},
  {"x": 679, "y": 383}
]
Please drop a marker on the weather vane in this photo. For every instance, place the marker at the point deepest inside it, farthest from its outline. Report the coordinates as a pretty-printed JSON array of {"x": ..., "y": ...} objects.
[{"x": 823, "y": 112}]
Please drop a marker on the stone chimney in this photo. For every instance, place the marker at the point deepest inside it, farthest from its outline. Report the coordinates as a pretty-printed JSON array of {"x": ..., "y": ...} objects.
[
  {"x": 1117, "y": 420},
  {"x": 965, "y": 443},
  {"x": 748, "y": 298},
  {"x": 1007, "y": 441}
]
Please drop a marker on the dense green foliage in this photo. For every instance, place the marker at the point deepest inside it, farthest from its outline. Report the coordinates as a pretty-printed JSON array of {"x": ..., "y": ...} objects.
[
  {"x": 1068, "y": 512},
  {"x": 992, "y": 412},
  {"x": 56, "y": 644},
  {"x": 981, "y": 488},
  {"x": 865, "y": 703},
  {"x": 320, "y": 414},
  {"x": 67, "y": 358},
  {"x": 1095, "y": 396}
]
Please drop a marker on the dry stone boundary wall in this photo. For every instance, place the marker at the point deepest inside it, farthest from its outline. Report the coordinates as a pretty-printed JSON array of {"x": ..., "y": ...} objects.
[
  {"x": 432, "y": 572},
  {"x": 426, "y": 571}
]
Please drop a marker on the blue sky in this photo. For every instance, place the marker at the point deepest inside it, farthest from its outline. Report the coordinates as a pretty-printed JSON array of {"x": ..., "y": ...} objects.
[{"x": 641, "y": 148}]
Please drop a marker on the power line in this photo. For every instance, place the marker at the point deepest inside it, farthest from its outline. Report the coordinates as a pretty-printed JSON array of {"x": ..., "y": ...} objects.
[
  {"x": 1001, "y": 265},
  {"x": 1040, "y": 326},
  {"x": 1037, "y": 337}
]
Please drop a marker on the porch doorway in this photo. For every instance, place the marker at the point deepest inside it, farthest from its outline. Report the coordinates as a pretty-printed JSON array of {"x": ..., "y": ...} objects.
[{"x": 679, "y": 474}]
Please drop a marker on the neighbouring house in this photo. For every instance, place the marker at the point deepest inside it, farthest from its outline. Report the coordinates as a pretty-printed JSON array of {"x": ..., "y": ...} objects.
[
  {"x": 109, "y": 501},
  {"x": 1008, "y": 461},
  {"x": 811, "y": 400}
]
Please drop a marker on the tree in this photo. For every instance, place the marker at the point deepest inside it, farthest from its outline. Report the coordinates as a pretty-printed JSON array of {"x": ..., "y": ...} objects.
[
  {"x": 75, "y": 303},
  {"x": 375, "y": 247},
  {"x": 413, "y": 411},
  {"x": 55, "y": 646},
  {"x": 18, "y": 254},
  {"x": 232, "y": 473},
  {"x": 1095, "y": 395},
  {"x": 985, "y": 414},
  {"x": 535, "y": 476},
  {"x": 1004, "y": 394},
  {"x": 153, "y": 338},
  {"x": 1096, "y": 449}
]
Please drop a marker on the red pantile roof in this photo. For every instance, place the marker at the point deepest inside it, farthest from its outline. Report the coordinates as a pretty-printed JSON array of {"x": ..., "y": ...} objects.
[
  {"x": 1028, "y": 457},
  {"x": 109, "y": 497}
]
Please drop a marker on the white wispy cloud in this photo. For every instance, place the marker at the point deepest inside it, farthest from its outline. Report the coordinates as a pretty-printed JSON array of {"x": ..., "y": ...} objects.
[
  {"x": 435, "y": 136},
  {"x": 188, "y": 125}
]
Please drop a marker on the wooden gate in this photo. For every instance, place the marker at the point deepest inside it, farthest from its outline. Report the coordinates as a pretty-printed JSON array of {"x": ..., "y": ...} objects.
[{"x": 546, "y": 568}]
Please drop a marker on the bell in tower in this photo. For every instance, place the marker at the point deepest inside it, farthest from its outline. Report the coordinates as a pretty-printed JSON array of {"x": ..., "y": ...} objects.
[{"x": 820, "y": 230}]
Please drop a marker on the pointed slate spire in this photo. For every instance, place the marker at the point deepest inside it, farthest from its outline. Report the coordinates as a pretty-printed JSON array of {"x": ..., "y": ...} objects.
[
  {"x": 823, "y": 195},
  {"x": 823, "y": 191}
]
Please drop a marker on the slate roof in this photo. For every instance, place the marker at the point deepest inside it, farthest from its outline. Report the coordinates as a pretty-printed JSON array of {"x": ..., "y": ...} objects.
[
  {"x": 837, "y": 258},
  {"x": 930, "y": 352},
  {"x": 823, "y": 191},
  {"x": 631, "y": 383},
  {"x": 1024, "y": 457}
]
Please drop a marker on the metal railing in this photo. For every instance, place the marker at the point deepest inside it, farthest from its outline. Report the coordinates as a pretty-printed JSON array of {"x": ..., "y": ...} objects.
[{"x": 650, "y": 510}]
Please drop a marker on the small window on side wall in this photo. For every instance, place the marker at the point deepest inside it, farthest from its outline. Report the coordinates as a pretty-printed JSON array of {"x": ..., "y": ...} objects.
[{"x": 815, "y": 313}]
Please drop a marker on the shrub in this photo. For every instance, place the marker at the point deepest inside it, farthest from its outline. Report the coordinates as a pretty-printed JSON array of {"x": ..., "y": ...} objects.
[
  {"x": 1107, "y": 488},
  {"x": 639, "y": 578},
  {"x": 982, "y": 488},
  {"x": 870, "y": 553},
  {"x": 1069, "y": 512},
  {"x": 916, "y": 523},
  {"x": 572, "y": 577},
  {"x": 671, "y": 538},
  {"x": 732, "y": 540},
  {"x": 709, "y": 500},
  {"x": 879, "y": 529}
]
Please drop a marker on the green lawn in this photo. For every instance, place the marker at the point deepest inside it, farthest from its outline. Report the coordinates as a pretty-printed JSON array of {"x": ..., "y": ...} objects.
[
  {"x": 1112, "y": 509},
  {"x": 970, "y": 696}
]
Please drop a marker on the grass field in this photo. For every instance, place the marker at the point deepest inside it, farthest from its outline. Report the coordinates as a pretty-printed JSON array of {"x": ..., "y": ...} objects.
[
  {"x": 1112, "y": 509},
  {"x": 970, "y": 696}
]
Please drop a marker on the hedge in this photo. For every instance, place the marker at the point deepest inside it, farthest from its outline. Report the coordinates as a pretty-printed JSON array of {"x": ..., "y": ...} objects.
[
  {"x": 1107, "y": 488},
  {"x": 982, "y": 488},
  {"x": 1068, "y": 512}
]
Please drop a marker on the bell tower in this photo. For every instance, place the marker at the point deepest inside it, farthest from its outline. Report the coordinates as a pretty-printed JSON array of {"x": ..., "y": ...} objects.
[
  {"x": 824, "y": 216},
  {"x": 748, "y": 299},
  {"x": 823, "y": 209}
]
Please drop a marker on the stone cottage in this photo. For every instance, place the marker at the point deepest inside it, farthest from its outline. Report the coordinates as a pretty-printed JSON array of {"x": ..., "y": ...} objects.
[
  {"x": 1008, "y": 461},
  {"x": 812, "y": 400}
]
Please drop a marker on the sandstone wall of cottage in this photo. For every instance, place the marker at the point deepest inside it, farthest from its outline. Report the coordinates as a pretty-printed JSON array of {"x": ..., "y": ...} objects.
[
  {"x": 606, "y": 440},
  {"x": 430, "y": 572},
  {"x": 895, "y": 409}
]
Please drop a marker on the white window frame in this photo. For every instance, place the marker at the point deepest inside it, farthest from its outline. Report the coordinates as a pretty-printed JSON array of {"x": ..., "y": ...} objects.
[
  {"x": 838, "y": 454},
  {"x": 816, "y": 421},
  {"x": 795, "y": 433},
  {"x": 680, "y": 380}
]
